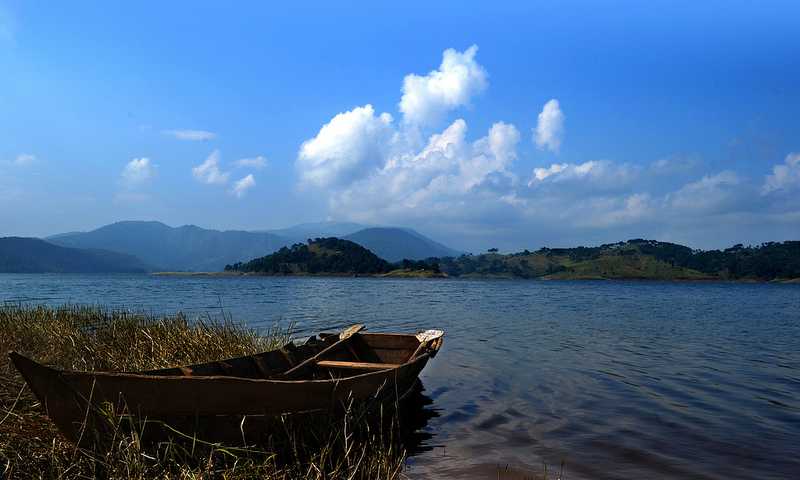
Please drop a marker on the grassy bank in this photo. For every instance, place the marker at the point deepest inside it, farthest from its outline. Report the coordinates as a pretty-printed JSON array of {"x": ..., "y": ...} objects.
[{"x": 83, "y": 338}]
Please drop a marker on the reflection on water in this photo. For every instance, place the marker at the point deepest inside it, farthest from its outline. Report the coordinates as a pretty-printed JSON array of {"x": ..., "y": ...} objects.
[
  {"x": 617, "y": 379},
  {"x": 414, "y": 414}
]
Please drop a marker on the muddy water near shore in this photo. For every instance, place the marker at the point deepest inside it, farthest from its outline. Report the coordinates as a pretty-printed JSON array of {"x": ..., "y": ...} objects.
[{"x": 614, "y": 379}]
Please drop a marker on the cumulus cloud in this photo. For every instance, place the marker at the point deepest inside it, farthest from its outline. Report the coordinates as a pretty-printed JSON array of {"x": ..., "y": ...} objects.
[
  {"x": 137, "y": 171},
  {"x": 540, "y": 174},
  {"x": 549, "y": 127},
  {"x": 252, "y": 162},
  {"x": 240, "y": 187},
  {"x": 710, "y": 193},
  {"x": 447, "y": 177},
  {"x": 191, "y": 135},
  {"x": 427, "y": 98},
  {"x": 594, "y": 174},
  {"x": 350, "y": 144},
  {"x": 784, "y": 177},
  {"x": 209, "y": 171},
  {"x": 373, "y": 170}
]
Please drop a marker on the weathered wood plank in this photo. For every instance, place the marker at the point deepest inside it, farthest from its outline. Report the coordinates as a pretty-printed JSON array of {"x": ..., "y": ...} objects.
[{"x": 356, "y": 365}]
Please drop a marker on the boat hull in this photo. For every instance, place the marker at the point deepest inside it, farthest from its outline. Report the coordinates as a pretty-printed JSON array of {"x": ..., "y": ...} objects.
[{"x": 81, "y": 404}]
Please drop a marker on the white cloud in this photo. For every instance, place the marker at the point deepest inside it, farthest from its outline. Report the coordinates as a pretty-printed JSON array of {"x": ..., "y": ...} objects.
[
  {"x": 427, "y": 98},
  {"x": 24, "y": 159},
  {"x": 447, "y": 177},
  {"x": 550, "y": 127},
  {"x": 191, "y": 135},
  {"x": 616, "y": 211},
  {"x": 712, "y": 193},
  {"x": 240, "y": 187},
  {"x": 784, "y": 177},
  {"x": 350, "y": 144},
  {"x": 372, "y": 170},
  {"x": 675, "y": 164},
  {"x": 137, "y": 171},
  {"x": 209, "y": 172},
  {"x": 539, "y": 174},
  {"x": 252, "y": 162},
  {"x": 597, "y": 174}
]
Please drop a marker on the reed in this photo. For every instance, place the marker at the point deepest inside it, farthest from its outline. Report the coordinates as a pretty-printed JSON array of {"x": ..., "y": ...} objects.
[{"x": 93, "y": 338}]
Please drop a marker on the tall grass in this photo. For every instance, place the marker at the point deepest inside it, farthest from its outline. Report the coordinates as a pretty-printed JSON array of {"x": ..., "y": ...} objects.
[{"x": 92, "y": 338}]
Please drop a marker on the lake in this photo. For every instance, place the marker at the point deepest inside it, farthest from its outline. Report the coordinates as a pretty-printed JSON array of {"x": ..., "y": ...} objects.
[{"x": 625, "y": 380}]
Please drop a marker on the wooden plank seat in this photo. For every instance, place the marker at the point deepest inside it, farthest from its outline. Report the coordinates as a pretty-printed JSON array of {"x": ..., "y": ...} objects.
[{"x": 356, "y": 365}]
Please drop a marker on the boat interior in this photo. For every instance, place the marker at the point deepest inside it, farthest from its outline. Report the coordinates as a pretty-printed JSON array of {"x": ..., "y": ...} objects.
[{"x": 324, "y": 357}]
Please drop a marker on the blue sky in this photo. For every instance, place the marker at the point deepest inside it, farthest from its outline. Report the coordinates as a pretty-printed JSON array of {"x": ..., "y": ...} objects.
[{"x": 671, "y": 120}]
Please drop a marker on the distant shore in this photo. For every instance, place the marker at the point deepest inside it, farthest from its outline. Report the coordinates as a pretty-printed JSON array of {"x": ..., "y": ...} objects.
[
  {"x": 405, "y": 273},
  {"x": 399, "y": 273},
  {"x": 197, "y": 274}
]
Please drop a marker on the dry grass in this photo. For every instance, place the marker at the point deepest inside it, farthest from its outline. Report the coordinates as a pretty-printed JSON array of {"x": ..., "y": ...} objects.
[{"x": 87, "y": 338}]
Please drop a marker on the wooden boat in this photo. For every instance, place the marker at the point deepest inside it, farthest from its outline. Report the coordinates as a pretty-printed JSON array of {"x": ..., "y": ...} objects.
[{"x": 321, "y": 374}]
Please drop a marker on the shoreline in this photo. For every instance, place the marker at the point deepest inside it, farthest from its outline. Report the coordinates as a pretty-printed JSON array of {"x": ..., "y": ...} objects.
[{"x": 433, "y": 276}]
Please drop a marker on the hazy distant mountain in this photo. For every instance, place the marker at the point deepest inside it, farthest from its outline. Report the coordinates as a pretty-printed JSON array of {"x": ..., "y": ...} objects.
[
  {"x": 32, "y": 255},
  {"x": 394, "y": 244},
  {"x": 186, "y": 248},
  {"x": 300, "y": 233}
]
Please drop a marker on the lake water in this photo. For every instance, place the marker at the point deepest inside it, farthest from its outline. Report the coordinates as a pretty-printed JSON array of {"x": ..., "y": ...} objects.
[{"x": 627, "y": 380}]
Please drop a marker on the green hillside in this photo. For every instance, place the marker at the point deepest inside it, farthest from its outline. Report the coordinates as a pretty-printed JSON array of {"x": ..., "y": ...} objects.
[
  {"x": 322, "y": 256},
  {"x": 635, "y": 259}
]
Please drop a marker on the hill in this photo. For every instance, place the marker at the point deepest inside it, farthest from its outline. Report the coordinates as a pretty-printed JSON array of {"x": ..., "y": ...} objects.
[
  {"x": 322, "y": 256},
  {"x": 395, "y": 244},
  {"x": 186, "y": 248},
  {"x": 391, "y": 243},
  {"x": 32, "y": 255},
  {"x": 636, "y": 259}
]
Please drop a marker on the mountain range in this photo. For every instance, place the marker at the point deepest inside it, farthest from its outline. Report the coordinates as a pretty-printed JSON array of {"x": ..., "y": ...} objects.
[
  {"x": 390, "y": 243},
  {"x": 302, "y": 232},
  {"x": 395, "y": 244},
  {"x": 186, "y": 248},
  {"x": 32, "y": 255},
  {"x": 153, "y": 246},
  {"x": 191, "y": 248}
]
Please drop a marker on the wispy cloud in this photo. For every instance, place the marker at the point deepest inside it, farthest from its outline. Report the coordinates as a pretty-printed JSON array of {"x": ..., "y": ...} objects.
[
  {"x": 240, "y": 187},
  {"x": 209, "y": 172},
  {"x": 24, "y": 159},
  {"x": 252, "y": 162},
  {"x": 191, "y": 135}
]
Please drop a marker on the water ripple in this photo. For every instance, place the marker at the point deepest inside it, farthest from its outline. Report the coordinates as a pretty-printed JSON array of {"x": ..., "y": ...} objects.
[{"x": 624, "y": 380}]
